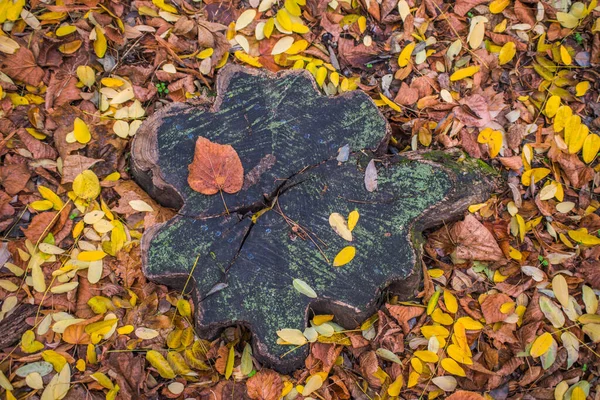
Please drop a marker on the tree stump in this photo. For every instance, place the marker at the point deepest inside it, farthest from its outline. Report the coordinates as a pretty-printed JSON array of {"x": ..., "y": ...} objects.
[{"x": 288, "y": 136}]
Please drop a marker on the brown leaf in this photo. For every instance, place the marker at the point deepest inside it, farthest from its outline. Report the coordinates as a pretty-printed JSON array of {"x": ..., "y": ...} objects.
[
  {"x": 406, "y": 95},
  {"x": 403, "y": 314},
  {"x": 469, "y": 240},
  {"x": 368, "y": 367},
  {"x": 265, "y": 385},
  {"x": 215, "y": 167},
  {"x": 62, "y": 89},
  {"x": 21, "y": 66},
  {"x": 326, "y": 354},
  {"x": 462, "y": 7},
  {"x": 14, "y": 177},
  {"x": 464, "y": 395},
  {"x": 76, "y": 334},
  {"x": 73, "y": 165},
  {"x": 491, "y": 308},
  {"x": 221, "y": 362},
  {"x": 576, "y": 171},
  {"x": 37, "y": 148},
  {"x": 474, "y": 111},
  {"x": 524, "y": 13},
  {"x": 40, "y": 225}
]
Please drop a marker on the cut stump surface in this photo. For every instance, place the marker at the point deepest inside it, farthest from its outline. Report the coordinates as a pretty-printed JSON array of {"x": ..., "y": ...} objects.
[{"x": 287, "y": 136}]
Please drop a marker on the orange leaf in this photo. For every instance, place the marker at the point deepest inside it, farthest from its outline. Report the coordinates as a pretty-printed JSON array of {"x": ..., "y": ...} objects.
[
  {"x": 215, "y": 167},
  {"x": 76, "y": 334}
]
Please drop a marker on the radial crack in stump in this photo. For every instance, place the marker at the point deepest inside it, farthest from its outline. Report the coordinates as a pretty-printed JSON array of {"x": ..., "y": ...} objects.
[{"x": 287, "y": 136}]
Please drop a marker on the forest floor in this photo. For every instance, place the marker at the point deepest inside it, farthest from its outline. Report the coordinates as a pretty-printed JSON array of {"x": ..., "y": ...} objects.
[{"x": 509, "y": 306}]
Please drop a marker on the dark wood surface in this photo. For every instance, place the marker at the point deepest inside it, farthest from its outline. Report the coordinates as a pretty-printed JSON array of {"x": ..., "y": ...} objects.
[{"x": 287, "y": 136}]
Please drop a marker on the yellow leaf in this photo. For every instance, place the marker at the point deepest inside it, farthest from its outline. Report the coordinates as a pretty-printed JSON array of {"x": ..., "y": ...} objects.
[
  {"x": 81, "y": 131},
  {"x": 102, "y": 379},
  {"x": 269, "y": 26},
  {"x": 464, "y": 73},
  {"x": 567, "y": 20},
  {"x": 64, "y": 288},
  {"x": 49, "y": 195},
  {"x": 572, "y": 127},
  {"x": 338, "y": 224},
  {"x": 165, "y": 7},
  {"x": 292, "y": 7},
  {"x": 184, "y": 308},
  {"x": 565, "y": 56},
  {"x": 362, "y": 24},
  {"x": 353, "y": 219},
  {"x": 160, "y": 363},
  {"x": 450, "y": 302},
  {"x": 125, "y": 330},
  {"x": 441, "y": 317},
  {"x": 65, "y": 30},
  {"x": 581, "y": 88},
  {"x": 591, "y": 146},
  {"x": 112, "y": 82},
  {"x": 578, "y": 393},
  {"x": 313, "y": 383},
  {"x": 396, "y": 386},
  {"x": 292, "y": 336},
  {"x": 80, "y": 365},
  {"x": 497, "y": 6},
  {"x": 93, "y": 255},
  {"x": 245, "y": 19},
  {"x": 390, "y": 103},
  {"x": 86, "y": 75},
  {"x": 86, "y": 185},
  {"x": 413, "y": 379},
  {"x": 230, "y": 360},
  {"x": 37, "y": 275},
  {"x": 426, "y": 356},
  {"x": 561, "y": 289},
  {"x": 583, "y": 237},
  {"x": 29, "y": 344},
  {"x": 459, "y": 354},
  {"x": 476, "y": 35},
  {"x": 493, "y": 139},
  {"x": 507, "y": 52},
  {"x": 298, "y": 47},
  {"x": 535, "y": 174},
  {"x": 434, "y": 330},
  {"x": 469, "y": 323},
  {"x": 552, "y": 106},
  {"x": 5, "y": 383},
  {"x": 344, "y": 256},
  {"x": 432, "y": 303},
  {"x": 321, "y": 75},
  {"x": 541, "y": 345},
  {"x": 7, "y": 45},
  {"x": 248, "y": 59},
  {"x": 435, "y": 273},
  {"x": 405, "y": 54},
  {"x": 452, "y": 367},
  {"x": 100, "y": 44},
  {"x": 563, "y": 115},
  {"x": 282, "y": 45},
  {"x": 41, "y": 205},
  {"x": 283, "y": 17}
]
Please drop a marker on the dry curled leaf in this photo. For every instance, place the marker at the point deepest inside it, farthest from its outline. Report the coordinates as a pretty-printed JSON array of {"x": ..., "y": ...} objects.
[
  {"x": 265, "y": 385},
  {"x": 215, "y": 167}
]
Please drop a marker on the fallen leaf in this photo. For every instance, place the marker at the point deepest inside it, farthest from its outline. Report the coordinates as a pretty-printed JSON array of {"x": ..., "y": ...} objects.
[
  {"x": 344, "y": 256},
  {"x": 371, "y": 176},
  {"x": 468, "y": 240},
  {"x": 215, "y": 167},
  {"x": 264, "y": 385}
]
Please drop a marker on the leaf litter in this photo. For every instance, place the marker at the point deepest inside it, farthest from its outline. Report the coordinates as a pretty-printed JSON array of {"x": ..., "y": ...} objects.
[{"x": 509, "y": 307}]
